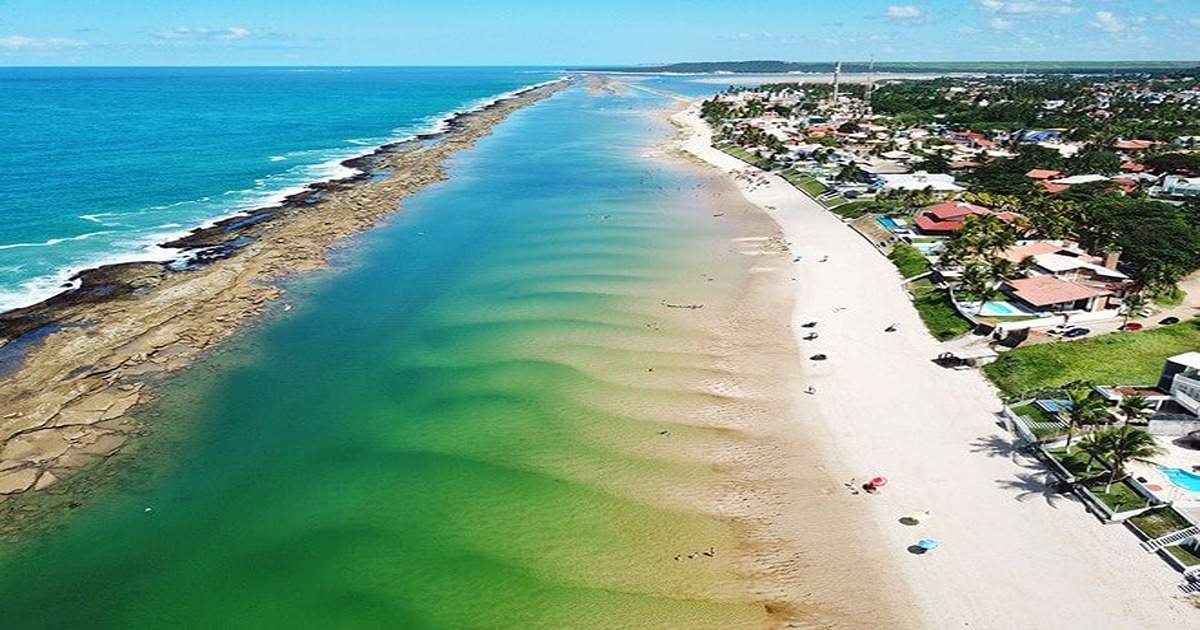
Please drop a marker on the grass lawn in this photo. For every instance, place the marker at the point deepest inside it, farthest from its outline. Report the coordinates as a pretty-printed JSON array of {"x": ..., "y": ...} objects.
[
  {"x": 1173, "y": 297},
  {"x": 855, "y": 209},
  {"x": 1160, "y": 522},
  {"x": 1035, "y": 413},
  {"x": 1185, "y": 557},
  {"x": 908, "y": 260},
  {"x": 935, "y": 309},
  {"x": 1121, "y": 498},
  {"x": 1130, "y": 358},
  {"x": 806, "y": 183},
  {"x": 1077, "y": 464},
  {"x": 743, "y": 155}
]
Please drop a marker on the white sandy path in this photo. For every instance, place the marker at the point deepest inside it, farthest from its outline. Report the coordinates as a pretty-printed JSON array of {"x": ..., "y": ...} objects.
[{"x": 1012, "y": 556}]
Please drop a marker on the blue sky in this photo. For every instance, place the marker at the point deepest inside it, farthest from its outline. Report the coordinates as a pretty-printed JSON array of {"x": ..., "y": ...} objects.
[{"x": 554, "y": 32}]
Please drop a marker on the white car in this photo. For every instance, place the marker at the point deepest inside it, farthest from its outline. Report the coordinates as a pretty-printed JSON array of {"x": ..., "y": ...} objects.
[{"x": 1059, "y": 329}]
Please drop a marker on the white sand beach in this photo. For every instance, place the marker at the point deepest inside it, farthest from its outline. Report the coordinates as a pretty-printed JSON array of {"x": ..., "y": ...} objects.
[{"x": 1013, "y": 554}]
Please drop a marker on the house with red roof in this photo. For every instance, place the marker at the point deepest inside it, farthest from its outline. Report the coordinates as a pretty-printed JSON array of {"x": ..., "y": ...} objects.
[
  {"x": 1052, "y": 187},
  {"x": 1053, "y": 294},
  {"x": 1133, "y": 145},
  {"x": 1042, "y": 174},
  {"x": 947, "y": 218}
]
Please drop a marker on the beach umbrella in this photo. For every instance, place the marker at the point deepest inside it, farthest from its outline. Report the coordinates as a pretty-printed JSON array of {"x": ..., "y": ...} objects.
[
  {"x": 919, "y": 516},
  {"x": 928, "y": 544},
  {"x": 878, "y": 482}
]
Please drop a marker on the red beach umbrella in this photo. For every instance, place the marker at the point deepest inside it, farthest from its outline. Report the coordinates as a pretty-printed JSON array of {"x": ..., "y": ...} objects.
[{"x": 879, "y": 482}]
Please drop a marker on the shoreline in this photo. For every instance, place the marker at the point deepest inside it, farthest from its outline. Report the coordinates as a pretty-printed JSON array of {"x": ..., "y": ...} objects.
[
  {"x": 83, "y": 357},
  {"x": 881, "y": 407},
  {"x": 180, "y": 247},
  {"x": 800, "y": 549}
]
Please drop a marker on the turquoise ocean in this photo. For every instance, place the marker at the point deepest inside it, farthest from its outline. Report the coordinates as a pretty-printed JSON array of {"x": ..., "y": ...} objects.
[{"x": 478, "y": 418}]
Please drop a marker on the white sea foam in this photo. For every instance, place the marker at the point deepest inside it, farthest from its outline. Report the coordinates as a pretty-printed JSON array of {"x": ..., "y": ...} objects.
[
  {"x": 54, "y": 241},
  {"x": 278, "y": 158},
  {"x": 297, "y": 179}
]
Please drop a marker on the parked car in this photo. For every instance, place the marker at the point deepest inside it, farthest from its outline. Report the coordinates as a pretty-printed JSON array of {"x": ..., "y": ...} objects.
[
  {"x": 1167, "y": 321},
  {"x": 1059, "y": 329},
  {"x": 1076, "y": 332},
  {"x": 1132, "y": 326},
  {"x": 1146, "y": 312}
]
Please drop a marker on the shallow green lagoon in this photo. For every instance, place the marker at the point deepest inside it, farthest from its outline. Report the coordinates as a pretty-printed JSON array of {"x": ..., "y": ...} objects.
[{"x": 454, "y": 429}]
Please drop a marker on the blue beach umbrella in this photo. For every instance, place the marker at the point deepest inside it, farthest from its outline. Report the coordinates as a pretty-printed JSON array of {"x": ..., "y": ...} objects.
[{"x": 928, "y": 544}]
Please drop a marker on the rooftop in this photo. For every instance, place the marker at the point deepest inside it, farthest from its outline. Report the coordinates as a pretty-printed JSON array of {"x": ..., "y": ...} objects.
[
  {"x": 1188, "y": 359},
  {"x": 1048, "y": 290}
]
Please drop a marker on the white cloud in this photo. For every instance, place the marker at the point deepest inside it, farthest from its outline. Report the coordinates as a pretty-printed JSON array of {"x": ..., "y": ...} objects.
[
  {"x": 1000, "y": 24},
  {"x": 188, "y": 34},
  {"x": 23, "y": 42},
  {"x": 969, "y": 30},
  {"x": 1108, "y": 22},
  {"x": 1030, "y": 7},
  {"x": 904, "y": 12}
]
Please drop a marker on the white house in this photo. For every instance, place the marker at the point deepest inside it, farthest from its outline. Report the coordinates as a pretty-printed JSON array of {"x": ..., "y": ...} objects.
[
  {"x": 935, "y": 182},
  {"x": 1177, "y": 186}
]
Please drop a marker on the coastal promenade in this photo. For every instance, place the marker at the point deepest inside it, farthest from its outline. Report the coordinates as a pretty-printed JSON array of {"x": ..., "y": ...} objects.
[{"x": 1014, "y": 553}]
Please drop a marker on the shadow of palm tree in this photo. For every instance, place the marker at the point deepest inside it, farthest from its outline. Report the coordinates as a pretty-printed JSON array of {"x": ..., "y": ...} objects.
[
  {"x": 995, "y": 446},
  {"x": 1030, "y": 485}
]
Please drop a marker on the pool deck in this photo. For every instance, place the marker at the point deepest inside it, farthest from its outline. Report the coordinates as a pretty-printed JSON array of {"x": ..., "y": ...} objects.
[{"x": 1175, "y": 457}]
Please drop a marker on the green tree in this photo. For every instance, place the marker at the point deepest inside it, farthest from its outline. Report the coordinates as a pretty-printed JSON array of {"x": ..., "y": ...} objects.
[
  {"x": 1096, "y": 448},
  {"x": 1084, "y": 406},
  {"x": 850, "y": 173},
  {"x": 1094, "y": 160},
  {"x": 1134, "y": 407},
  {"x": 1132, "y": 303},
  {"x": 1128, "y": 444}
]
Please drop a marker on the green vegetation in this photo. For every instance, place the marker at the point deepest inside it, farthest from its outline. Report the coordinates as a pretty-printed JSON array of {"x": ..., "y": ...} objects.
[
  {"x": 1034, "y": 413},
  {"x": 855, "y": 209},
  {"x": 1122, "y": 357},
  {"x": 1121, "y": 497},
  {"x": 908, "y": 261},
  {"x": 745, "y": 156},
  {"x": 1077, "y": 462},
  {"x": 806, "y": 183},
  {"x": 1160, "y": 522},
  {"x": 1185, "y": 557},
  {"x": 1172, "y": 296},
  {"x": 934, "y": 306}
]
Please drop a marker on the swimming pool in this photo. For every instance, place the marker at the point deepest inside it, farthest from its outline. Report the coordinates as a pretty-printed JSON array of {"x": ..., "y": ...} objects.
[
  {"x": 890, "y": 224},
  {"x": 1182, "y": 478},
  {"x": 999, "y": 308}
]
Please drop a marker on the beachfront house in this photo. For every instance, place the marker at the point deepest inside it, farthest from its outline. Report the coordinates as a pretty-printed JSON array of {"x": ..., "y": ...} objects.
[
  {"x": 1176, "y": 186},
  {"x": 1174, "y": 401},
  {"x": 921, "y": 180},
  {"x": 1049, "y": 294},
  {"x": 1063, "y": 278},
  {"x": 944, "y": 219}
]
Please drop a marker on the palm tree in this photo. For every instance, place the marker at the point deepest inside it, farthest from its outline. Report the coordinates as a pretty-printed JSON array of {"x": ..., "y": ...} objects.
[
  {"x": 1085, "y": 407},
  {"x": 1128, "y": 444},
  {"x": 977, "y": 278},
  {"x": 1134, "y": 407},
  {"x": 1095, "y": 446}
]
